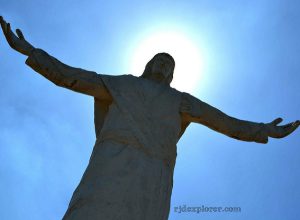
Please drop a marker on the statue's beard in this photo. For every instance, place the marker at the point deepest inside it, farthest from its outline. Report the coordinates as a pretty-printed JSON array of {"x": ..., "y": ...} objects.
[{"x": 159, "y": 77}]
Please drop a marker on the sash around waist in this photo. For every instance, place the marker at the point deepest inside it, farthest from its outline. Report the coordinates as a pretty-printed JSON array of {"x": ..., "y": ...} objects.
[{"x": 126, "y": 137}]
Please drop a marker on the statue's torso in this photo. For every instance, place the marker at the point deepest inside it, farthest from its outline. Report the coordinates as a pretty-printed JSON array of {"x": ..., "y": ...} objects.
[
  {"x": 144, "y": 114},
  {"x": 130, "y": 173}
]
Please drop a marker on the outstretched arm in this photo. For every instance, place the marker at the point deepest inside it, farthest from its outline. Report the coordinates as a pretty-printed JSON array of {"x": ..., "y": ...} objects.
[
  {"x": 76, "y": 79},
  {"x": 194, "y": 110}
]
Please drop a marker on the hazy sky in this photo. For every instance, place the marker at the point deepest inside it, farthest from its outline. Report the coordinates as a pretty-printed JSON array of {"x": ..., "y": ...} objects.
[{"x": 251, "y": 71}]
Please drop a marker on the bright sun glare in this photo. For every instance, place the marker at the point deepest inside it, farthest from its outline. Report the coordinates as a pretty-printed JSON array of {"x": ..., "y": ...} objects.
[{"x": 187, "y": 55}]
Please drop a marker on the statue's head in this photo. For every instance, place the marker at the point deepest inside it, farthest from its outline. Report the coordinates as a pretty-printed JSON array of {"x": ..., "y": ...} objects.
[{"x": 160, "y": 68}]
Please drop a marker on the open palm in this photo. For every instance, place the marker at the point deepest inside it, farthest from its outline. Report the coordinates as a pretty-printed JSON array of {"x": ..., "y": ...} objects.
[{"x": 17, "y": 42}]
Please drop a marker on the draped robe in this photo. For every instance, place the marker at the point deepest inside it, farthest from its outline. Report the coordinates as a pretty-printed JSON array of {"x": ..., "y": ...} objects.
[{"x": 130, "y": 172}]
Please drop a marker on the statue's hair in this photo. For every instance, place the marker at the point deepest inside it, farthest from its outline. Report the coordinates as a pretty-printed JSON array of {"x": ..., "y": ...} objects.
[{"x": 148, "y": 69}]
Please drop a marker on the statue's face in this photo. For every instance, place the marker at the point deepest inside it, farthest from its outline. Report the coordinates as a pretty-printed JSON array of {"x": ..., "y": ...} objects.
[{"x": 162, "y": 68}]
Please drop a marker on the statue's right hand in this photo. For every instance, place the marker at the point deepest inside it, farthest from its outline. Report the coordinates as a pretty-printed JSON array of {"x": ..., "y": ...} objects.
[{"x": 17, "y": 42}]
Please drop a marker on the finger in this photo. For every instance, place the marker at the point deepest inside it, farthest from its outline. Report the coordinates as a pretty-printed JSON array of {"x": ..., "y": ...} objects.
[
  {"x": 8, "y": 32},
  {"x": 287, "y": 125},
  {"x": 292, "y": 128},
  {"x": 2, "y": 19},
  {"x": 289, "y": 128},
  {"x": 3, "y": 25},
  {"x": 277, "y": 121},
  {"x": 20, "y": 34},
  {"x": 10, "y": 36},
  {"x": 296, "y": 123}
]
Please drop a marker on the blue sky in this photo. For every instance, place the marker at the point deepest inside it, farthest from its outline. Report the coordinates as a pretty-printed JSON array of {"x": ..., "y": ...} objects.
[{"x": 46, "y": 132}]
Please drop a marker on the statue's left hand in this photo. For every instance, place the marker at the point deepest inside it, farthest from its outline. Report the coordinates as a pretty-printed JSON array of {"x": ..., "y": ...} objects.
[
  {"x": 18, "y": 42},
  {"x": 279, "y": 131}
]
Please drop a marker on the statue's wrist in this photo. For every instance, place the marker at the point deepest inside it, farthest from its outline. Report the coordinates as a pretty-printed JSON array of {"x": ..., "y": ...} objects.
[{"x": 30, "y": 50}]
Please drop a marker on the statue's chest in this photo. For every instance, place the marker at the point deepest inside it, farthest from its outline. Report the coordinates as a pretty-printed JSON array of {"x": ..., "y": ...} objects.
[
  {"x": 145, "y": 106},
  {"x": 157, "y": 101}
]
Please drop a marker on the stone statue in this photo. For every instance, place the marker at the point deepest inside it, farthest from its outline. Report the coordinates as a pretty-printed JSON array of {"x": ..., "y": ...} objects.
[{"x": 138, "y": 122}]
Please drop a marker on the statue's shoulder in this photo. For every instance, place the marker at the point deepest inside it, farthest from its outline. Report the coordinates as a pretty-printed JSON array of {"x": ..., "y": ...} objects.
[
  {"x": 130, "y": 82},
  {"x": 175, "y": 91},
  {"x": 118, "y": 78},
  {"x": 120, "y": 83}
]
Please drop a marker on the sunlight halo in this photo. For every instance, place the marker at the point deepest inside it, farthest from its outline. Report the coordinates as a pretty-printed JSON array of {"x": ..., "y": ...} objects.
[{"x": 187, "y": 55}]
